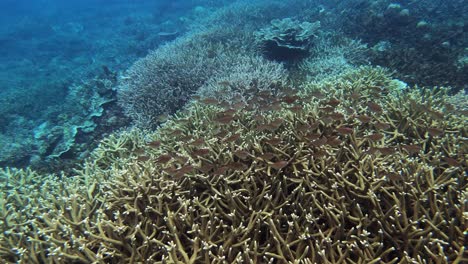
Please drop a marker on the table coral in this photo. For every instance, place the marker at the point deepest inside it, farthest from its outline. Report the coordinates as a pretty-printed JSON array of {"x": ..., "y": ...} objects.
[{"x": 287, "y": 39}]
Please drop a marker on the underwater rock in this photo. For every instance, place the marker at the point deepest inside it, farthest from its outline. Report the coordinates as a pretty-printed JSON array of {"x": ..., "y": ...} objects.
[{"x": 287, "y": 39}]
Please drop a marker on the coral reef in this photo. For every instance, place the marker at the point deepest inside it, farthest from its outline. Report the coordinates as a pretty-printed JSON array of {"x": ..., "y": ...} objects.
[
  {"x": 331, "y": 55},
  {"x": 54, "y": 53},
  {"x": 426, "y": 38},
  {"x": 67, "y": 132},
  {"x": 350, "y": 169},
  {"x": 245, "y": 79},
  {"x": 162, "y": 82},
  {"x": 287, "y": 39}
]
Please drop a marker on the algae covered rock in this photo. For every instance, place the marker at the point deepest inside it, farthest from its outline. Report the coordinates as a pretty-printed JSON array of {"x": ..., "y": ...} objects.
[{"x": 287, "y": 39}]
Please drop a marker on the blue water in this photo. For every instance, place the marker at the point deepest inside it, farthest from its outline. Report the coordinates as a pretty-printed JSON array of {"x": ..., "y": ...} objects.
[
  {"x": 48, "y": 48},
  {"x": 46, "y": 45}
]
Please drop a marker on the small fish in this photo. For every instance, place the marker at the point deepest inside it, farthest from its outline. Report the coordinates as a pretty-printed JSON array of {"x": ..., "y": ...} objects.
[
  {"x": 374, "y": 107},
  {"x": 183, "y": 171},
  {"x": 197, "y": 142},
  {"x": 350, "y": 110},
  {"x": 238, "y": 166},
  {"x": 295, "y": 109},
  {"x": 220, "y": 170},
  {"x": 224, "y": 119},
  {"x": 176, "y": 132},
  {"x": 225, "y": 105},
  {"x": 412, "y": 148},
  {"x": 313, "y": 136},
  {"x": 334, "y": 141},
  {"x": 336, "y": 116},
  {"x": 437, "y": 115},
  {"x": 241, "y": 154},
  {"x": 279, "y": 164},
  {"x": 386, "y": 150},
  {"x": 181, "y": 159},
  {"x": 205, "y": 168},
  {"x": 327, "y": 109},
  {"x": 222, "y": 134},
  {"x": 327, "y": 120},
  {"x": 317, "y": 94},
  {"x": 355, "y": 96},
  {"x": 232, "y": 138},
  {"x": 263, "y": 127},
  {"x": 264, "y": 94},
  {"x": 228, "y": 111},
  {"x": 162, "y": 118},
  {"x": 289, "y": 99},
  {"x": 238, "y": 105},
  {"x": 143, "y": 158},
  {"x": 364, "y": 118},
  {"x": 451, "y": 161},
  {"x": 210, "y": 101},
  {"x": 154, "y": 144},
  {"x": 276, "y": 106},
  {"x": 371, "y": 151},
  {"x": 139, "y": 151},
  {"x": 186, "y": 138},
  {"x": 344, "y": 130},
  {"x": 303, "y": 128},
  {"x": 267, "y": 156},
  {"x": 165, "y": 158},
  {"x": 319, "y": 142},
  {"x": 276, "y": 123},
  {"x": 201, "y": 152},
  {"x": 435, "y": 132},
  {"x": 393, "y": 176},
  {"x": 449, "y": 107},
  {"x": 319, "y": 153},
  {"x": 382, "y": 126},
  {"x": 333, "y": 102},
  {"x": 273, "y": 141},
  {"x": 314, "y": 125},
  {"x": 258, "y": 118},
  {"x": 375, "y": 137}
]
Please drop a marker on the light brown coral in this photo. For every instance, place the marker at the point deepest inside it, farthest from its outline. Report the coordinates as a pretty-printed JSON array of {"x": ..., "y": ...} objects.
[{"x": 361, "y": 174}]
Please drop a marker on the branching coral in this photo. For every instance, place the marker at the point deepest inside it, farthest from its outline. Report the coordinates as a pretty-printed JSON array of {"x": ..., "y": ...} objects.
[
  {"x": 164, "y": 81},
  {"x": 362, "y": 174},
  {"x": 247, "y": 77},
  {"x": 332, "y": 55}
]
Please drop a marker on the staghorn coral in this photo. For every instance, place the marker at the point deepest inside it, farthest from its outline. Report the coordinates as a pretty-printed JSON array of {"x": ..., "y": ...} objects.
[
  {"x": 247, "y": 77},
  {"x": 162, "y": 82},
  {"x": 364, "y": 174},
  {"x": 332, "y": 55}
]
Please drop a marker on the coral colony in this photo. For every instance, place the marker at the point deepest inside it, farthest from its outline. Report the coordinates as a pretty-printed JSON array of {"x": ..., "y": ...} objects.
[
  {"x": 362, "y": 173},
  {"x": 251, "y": 151}
]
